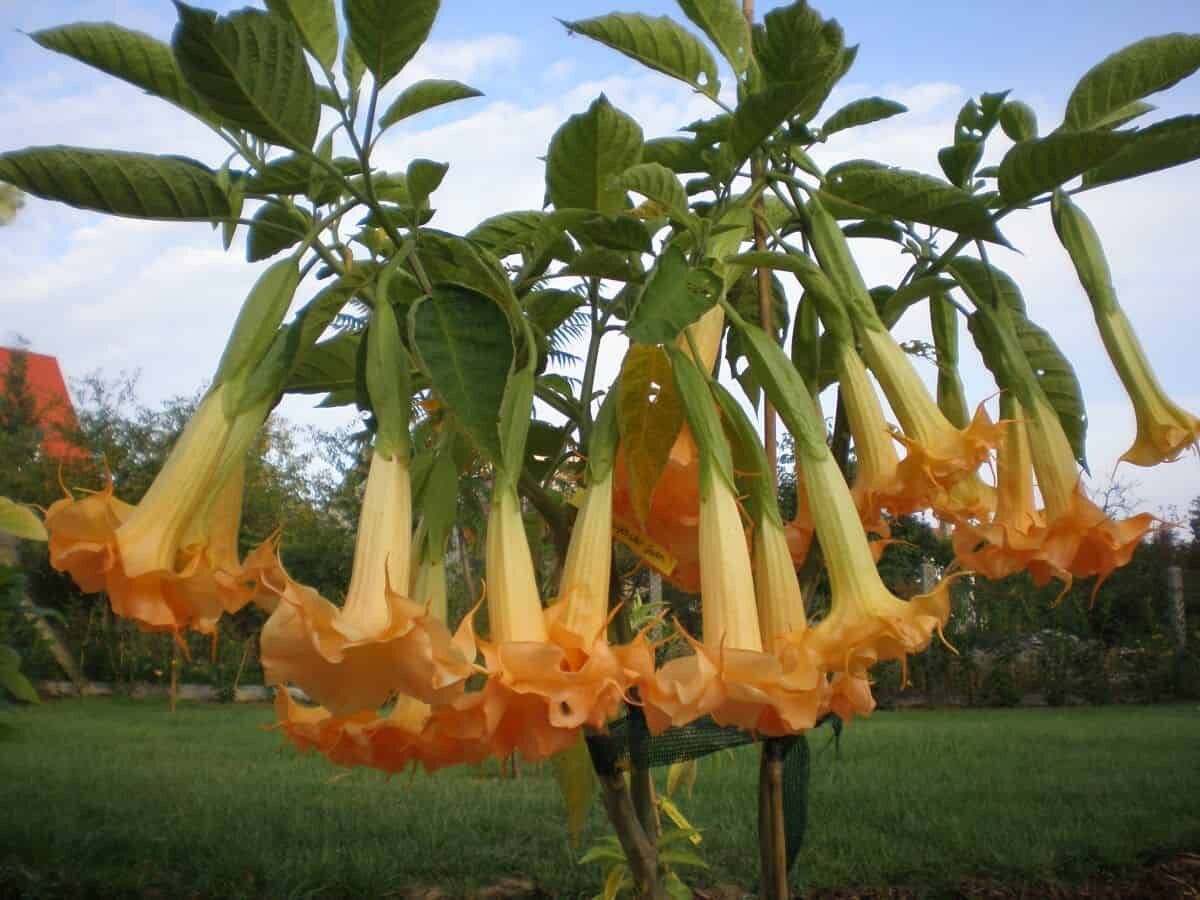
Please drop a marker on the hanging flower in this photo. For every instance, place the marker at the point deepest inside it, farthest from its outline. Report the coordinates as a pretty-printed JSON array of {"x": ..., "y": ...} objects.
[
  {"x": 353, "y": 657},
  {"x": 1005, "y": 543},
  {"x": 866, "y": 623},
  {"x": 1164, "y": 429},
  {"x": 170, "y": 562},
  {"x": 551, "y": 671}
]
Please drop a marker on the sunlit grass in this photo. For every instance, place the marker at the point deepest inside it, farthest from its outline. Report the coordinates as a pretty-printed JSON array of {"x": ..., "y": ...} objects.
[{"x": 106, "y": 795}]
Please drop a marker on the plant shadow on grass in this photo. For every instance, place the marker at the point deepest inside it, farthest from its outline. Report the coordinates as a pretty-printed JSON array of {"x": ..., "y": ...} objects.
[{"x": 110, "y": 797}]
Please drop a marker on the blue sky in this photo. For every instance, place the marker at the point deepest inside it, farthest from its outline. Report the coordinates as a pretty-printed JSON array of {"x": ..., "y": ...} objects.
[{"x": 120, "y": 294}]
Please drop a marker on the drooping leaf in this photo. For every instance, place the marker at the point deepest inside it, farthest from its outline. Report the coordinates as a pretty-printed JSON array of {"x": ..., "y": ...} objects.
[
  {"x": 599, "y": 262},
  {"x": 509, "y": 232},
  {"x": 387, "y": 36},
  {"x": 986, "y": 284},
  {"x": 328, "y": 367},
  {"x": 465, "y": 343},
  {"x": 258, "y": 320},
  {"x": 353, "y": 67},
  {"x": 912, "y": 196},
  {"x": 275, "y": 228},
  {"x": 549, "y": 309},
  {"x": 124, "y": 184},
  {"x": 1145, "y": 67},
  {"x": 425, "y": 95},
  {"x": 577, "y": 781},
  {"x": 658, "y": 183},
  {"x": 649, "y": 416},
  {"x": 586, "y": 152},
  {"x": 672, "y": 300},
  {"x": 132, "y": 56},
  {"x": 958, "y": 161},
  {"x": 1032, "y": 167},
  {"x": 449, "y": 259},
  {"x": 725, "y": 25},
  {"x": 295, "y": 174},
  {"x": 1159, "y": 146},
  {"x": 1125, "y": 114},
  {"x": 617, "y": 232},
  {"x": 316, "y": 21},
  {"x": 21, "y": 521},
  {"x": 794, "y": 43},
  {"x": 862, "y": 112},
  {"x": 423, "y": 177},
  {"x": 249, "y": 67},
  {"x": 659, "y": 43}
]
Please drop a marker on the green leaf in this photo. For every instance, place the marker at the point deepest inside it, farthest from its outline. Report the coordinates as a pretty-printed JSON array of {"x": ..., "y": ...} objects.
[
  {"x": 328, "y": 367},
  {"x": 883, "y": 229},
  {"x": 274, "y": 228},
  {"x": 656, "y": 182},
  {"x": 132, "y": 56},
  {"x": 986, "y": 284},
  {"x": 862, "y": 112},
  {"x": 659, "y": 43},
  {"x": 577, "y": 781},
  {"x": 1042, "y": 164},
  {"x": 795, "y": 43},
  {"x": 958, "y": 161},
  {"x": 353, "y": 67},
  {"x": 20, "y": 520},
  {"x": 1126, "y": 114},
  {"x": 681, "y": 857},
  {"x": 112, "y": 181},
  {"x": 674, "y": 298},
  {"x": 619, "y": 232},
  {"x": 423, "y": 177},
  {"x": 723, "y": 22},
  {"x": 548, "y": 309},
  {"x": 1018, "y": 121},
  {"x": 760, "y": 114},
  {"x": 912, "y": 196},
  {"x": 316, "y": 21},
  {"x": 425, "y": 95},
  {"x": 387, "y": 36},
  {"x": 1150, "y": 65},
  {"x": 465, "y": 343},
  {"x": 598, "y": 262},
  {"x": 295, "y": 174},
  {"x": 649, "y": 416},
  {"x": 677, "y": 154},
  {"x": 1159, "y": 146},
  {"x": 586, "y": 152},
  {"x": 519, "y": 231},
  {"x": 602, "y": 853},
  {"x": 11, "y": 678},
  {"x": 250, "y": 69},
  {"x": 449, "y": 259}
]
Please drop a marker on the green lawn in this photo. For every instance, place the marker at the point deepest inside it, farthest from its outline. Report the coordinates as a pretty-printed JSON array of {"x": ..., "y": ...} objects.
[{"x": 109, "y": 795}]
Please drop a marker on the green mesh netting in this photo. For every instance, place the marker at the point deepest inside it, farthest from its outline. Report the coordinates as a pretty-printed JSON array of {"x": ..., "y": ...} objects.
[{"x": 629, "y": 742}]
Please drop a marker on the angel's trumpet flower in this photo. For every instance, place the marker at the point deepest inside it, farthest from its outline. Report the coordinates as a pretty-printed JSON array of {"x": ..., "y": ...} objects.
[
  {"x": 939, "y": 454},
  {"x": 549, "y": 671},
  {"x": 1164, "y": 429},
  {"x": 168, "y": 563},
  {"x": 353, "y": 657},
  {"x": 673, "y": 520},
  {"x": 1005, "y": 544},
  {"x": 729, "y": 675}
]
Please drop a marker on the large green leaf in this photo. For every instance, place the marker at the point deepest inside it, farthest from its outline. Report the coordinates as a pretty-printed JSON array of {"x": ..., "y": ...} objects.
[
  {"x": 723, "y": 22},
  {"x": 862, "y": 112},
  {"x": 760, "y": 114},
  {"x": 250, "y": 69},
  {"x": 677, "y": 154},
  {"x": 509, "y": 232},
  {"x": 316, "y": 20},
  {"x": 1032, "y": 167},
  {"x": 912, "y": 196},
  {"x": 672, "y": 300},
  {"x": 1018, "y": 121},
  {"x": 464, "y": 341},
  {"x": 660, "y": 43},
  {"x": 295, "y": 174},
  {"x": 274, "y": 228},
  {"x": 1150, "y": 65},
  {"x": 386, "y": 34},
  {"x": 425, "y": 95},
  {"x": 124, "y": 184},
  {"x": 1160, "y": 146},
  {"x": 586, "y": 152},
  {"x": 21, "y": 521},
  {"x": 132, "y": 56},
  {"x": 449, "y": 259},
  {"x": 328, "y": 367},
  {"x": 658, "y": 183},
  {"x": 795, "y": 43}
]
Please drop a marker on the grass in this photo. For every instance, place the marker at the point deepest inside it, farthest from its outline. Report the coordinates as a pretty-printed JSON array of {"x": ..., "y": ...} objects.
[{"x": 112, "y": 796}]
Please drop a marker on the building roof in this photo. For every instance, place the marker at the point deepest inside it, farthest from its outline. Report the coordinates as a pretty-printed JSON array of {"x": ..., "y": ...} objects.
[{"x": 53, "y": 410}]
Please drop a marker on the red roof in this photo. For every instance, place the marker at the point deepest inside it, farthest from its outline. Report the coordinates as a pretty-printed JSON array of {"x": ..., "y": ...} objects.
[{"x": 53, "y": 410}]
